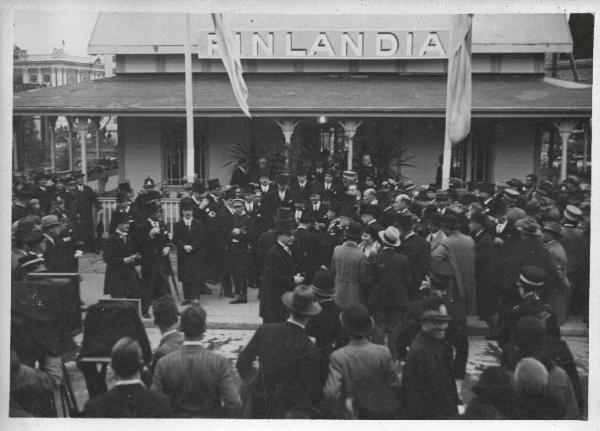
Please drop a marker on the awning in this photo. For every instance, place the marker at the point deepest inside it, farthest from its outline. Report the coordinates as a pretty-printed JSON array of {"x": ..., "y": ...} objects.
[{"x": 376, "y": 95}]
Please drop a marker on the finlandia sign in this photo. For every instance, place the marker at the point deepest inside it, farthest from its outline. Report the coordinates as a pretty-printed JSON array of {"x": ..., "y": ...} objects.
[{"x": 349, "y": 45}]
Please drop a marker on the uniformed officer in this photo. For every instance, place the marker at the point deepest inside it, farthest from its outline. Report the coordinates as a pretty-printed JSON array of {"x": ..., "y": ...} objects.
[
  {"x": 238, "y": 255},
  {"x": 147, "y": 194},
  {"x": 531, "y": 281}
]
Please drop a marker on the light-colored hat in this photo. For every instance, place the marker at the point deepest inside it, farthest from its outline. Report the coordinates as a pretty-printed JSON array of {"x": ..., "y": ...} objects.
[{"x": 390, "y": 236}]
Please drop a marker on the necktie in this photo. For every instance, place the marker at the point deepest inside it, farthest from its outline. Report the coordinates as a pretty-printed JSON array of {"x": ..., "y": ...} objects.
[{"x": 316, "y": 207}]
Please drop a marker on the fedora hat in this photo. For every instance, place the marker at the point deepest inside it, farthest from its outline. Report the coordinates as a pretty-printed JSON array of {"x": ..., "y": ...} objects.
[
  {"x": 390, "y": 236},
  {"x": 49, "y": 221},
  {"x": 549, "y": 226},
  {"x": 357, "y": 320},
  {"x": 449, "y": 221},
  {"x": 302, "y": 300},
  {"x": 353, "y": 231},
  {"x": 528, "y": 226},
  {"x": 322, "y": 283},
  {"x": 480, "y": 219}
]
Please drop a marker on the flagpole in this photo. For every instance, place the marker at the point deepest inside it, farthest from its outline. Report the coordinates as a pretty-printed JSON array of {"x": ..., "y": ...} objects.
[{"x": 189, "y": 107}]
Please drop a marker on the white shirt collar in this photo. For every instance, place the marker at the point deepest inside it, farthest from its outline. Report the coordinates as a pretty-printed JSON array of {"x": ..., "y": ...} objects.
[
  {"x": 166, "y": 334},
  {"x": 49, "y": 237},
  {"x": 129, "y": 382},
  {"x": 192, "y": 343},
  {"x": 293, "y": 322},
  {"x": 409, "y": 235}
]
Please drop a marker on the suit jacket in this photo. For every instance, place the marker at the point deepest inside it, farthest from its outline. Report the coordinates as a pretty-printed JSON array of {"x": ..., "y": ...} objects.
[
  {"x": 278, "y": 277},
  {"x": 428, "y": 380},
  {"x": 272, "y": 200},
  {"x": 121, "y": 280},
  {"x": 391, "y": 279},
  {"x": 150, "y": 248},
  {"x": 349, "y": 266},
  {"x": 418, "y": 252},
  {"x": 301, "y": 191},
  {"x": 320, "y": 215},
  {"x": 291, "y": 370},
  {"x": 326, "y": 328},
  {"x": 363, "y": 371},
  {"x": 167, "y": 344},
  {"x": 459, "y": 250},
  {"x": 199, "y": 382},
  {"x": 190, "y": 266},
  {"x": 308, "y": 252},
  {"x": 240, "y": 178},
  {"x": 331, "y": 195},
  {"x": 571, "y": 240},
  {"x": 128, "y": 401},
  {"x": 485, "y": 271}
]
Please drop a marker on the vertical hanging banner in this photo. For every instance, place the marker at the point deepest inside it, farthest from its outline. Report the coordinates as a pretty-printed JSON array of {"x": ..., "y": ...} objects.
[
  {"x": 231, "y": 61},
  {"x": 459, "y": 94}
]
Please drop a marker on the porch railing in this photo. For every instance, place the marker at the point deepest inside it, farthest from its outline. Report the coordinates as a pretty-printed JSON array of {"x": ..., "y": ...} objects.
[{"x": 170, "y": 207}]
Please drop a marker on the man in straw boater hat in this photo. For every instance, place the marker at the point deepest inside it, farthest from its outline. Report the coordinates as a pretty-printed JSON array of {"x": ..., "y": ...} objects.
[
  {"x": 530, "y": 283},
  {"x": 291, "y": 368},
  {"x": 388, "y": 298},
  {"x": 428, "y": 377},
  {"x": 436, "y": 285},
  {"x": 361, "y": 371},
  {"x": 280, "y": 273}
]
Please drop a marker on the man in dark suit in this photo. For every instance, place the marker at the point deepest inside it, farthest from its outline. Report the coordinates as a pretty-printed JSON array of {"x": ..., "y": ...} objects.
[
  {"x": 316, "y": 208},
  {"x": 417, "y": 250},
  {"x": 199, "y": 382},
  {"x": 224, "y": 225},
  {"x": 329, "y": 190},
  {"x": 166, "y": 317},
  {"x": 189, "y": 236},
  {"x": 279, "y": 275},
  {"x": 241, "y": 174},
  {"x": 214, "y": 238},
  {"x": 129, "y": 398},
  {"x": 85, "y": 205},
  {"x": 147, "y": 194},
  {"x": 291, "y": 369},
  {"x": 151, "y": 241},
  {"x": 121, "y": 279},
  {"x": 280, "y": 196},
  {"x": 306, "y": 248},
  {"x": 301, "y": 187}
]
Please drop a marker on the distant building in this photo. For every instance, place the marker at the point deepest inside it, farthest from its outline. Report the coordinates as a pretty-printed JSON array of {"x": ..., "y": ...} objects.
[{"x": 53, "y": 70}]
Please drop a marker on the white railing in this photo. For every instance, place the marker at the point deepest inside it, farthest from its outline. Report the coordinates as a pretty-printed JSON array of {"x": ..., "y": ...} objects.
[{"x": 170, "y": 207}]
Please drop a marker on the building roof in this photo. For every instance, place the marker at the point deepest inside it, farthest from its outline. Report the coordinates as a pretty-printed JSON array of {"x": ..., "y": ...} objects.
[
  {"x": 307, "y": 95},
  {"x": 58, "y": 56},
  {"x": 164, "y": 33}
]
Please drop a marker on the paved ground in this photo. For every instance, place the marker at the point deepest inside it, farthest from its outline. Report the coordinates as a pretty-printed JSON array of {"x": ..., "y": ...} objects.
[{"x": 231, "y": 326}]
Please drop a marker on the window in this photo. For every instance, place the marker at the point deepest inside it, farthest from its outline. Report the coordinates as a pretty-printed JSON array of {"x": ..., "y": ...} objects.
[
  {"x": 471, "y": 157},
  {"x": 85, "y": 78},
  {"x": 71, "y": 79},
  {"x": 47, "y": 78},
  {"x": 173, "y": 135},
  {"x": 33, "y": 78},
  {"x": 18, "y": 79}
]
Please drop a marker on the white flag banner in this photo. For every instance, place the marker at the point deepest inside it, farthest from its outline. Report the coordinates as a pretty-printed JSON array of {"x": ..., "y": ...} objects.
[{"x": 231, "y": 61}]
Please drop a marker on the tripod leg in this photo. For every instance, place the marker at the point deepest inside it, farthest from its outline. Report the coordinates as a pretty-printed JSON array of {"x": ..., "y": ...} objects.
[{"x": 69, "y": 394}]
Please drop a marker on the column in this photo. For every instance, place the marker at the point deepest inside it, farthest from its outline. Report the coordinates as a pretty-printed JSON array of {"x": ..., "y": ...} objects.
[
  {"x": 565, "y": 128},
  {"x": 287, "y": 128},
  {"x": 82, "y": 129},
  {"x": 52, "y": 139},
  {"x": 71, "y": 122},
  {"x": 350, "y": 127}
]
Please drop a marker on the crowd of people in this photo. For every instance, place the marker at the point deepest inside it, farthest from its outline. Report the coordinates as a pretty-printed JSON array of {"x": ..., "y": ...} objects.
[{"x": 365, "y": 284}]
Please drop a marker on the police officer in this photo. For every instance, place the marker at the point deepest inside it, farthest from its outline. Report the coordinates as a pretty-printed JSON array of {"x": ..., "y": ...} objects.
[{"x": 531, "y": 281}]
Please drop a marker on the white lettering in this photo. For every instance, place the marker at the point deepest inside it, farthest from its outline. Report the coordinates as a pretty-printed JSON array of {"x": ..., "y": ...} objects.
[
  {"x": 385, "y": 51},
  {"x": 258, "y": 43},
  {"x": 289, "y": 50},
  {"x": 356, "y": 47},
  {"x": 212, "y": 45},
  {"x": 409, "y": 43},
  {"x": 322, "y": 44},
  {"x": 433, "y": 45}
]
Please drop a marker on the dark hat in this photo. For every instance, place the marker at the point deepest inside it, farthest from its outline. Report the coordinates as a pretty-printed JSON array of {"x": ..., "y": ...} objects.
[
  {"x": 480, "y": 219},
  {"x": 322, "y": 283},
  {"x": 331, "y": 172},
  {"x": 529, "y": 328},
  {"x": 353, "y": 231},
  {"x": 369, "y": 209},
  {"x": 263, "y": 173},
  {"x": 78, "y": 174},
  {"x": 550, "y": 226},
  {"x": 434, "y": 309},
  {"x": 528, "y": 226},
  {"x": 572, "y": 213},
  {"x": 357, "y": 320},
  {"x": 390, "y": 236},
  {"x": 533, "y": 276},
  {"x": 283, "y": 226},
  {"x": 511, "y": 195},
  {"x": 431, "y": 213},
  {"x": 441, "y": 195},
  {"x": 306, "y": 217},
  {"x": 229, "y": 194},
  {"x": 33, "y": 237},
  {"x": 122, "y": 196},
  {"x": 153, "y": 205},
  {"x": 302, "y": 301},
  {"x": 186, "y": 204},
  {"x": 441, "y": 269},
  {"x": 198, "y": 187},
  {"x": 284, "y": 179},
  {"x": 213, "y": 184},
  {"x": 449, "y": 221},
  {"x": 283, "y": 214},
  {"x": 148, "y": 183},
  {"x": 49, "y": 221},
  {"x": 121, "y": 218},
  {"x": 348, "y": 210},
  {"x": 125, "y": 186}
]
